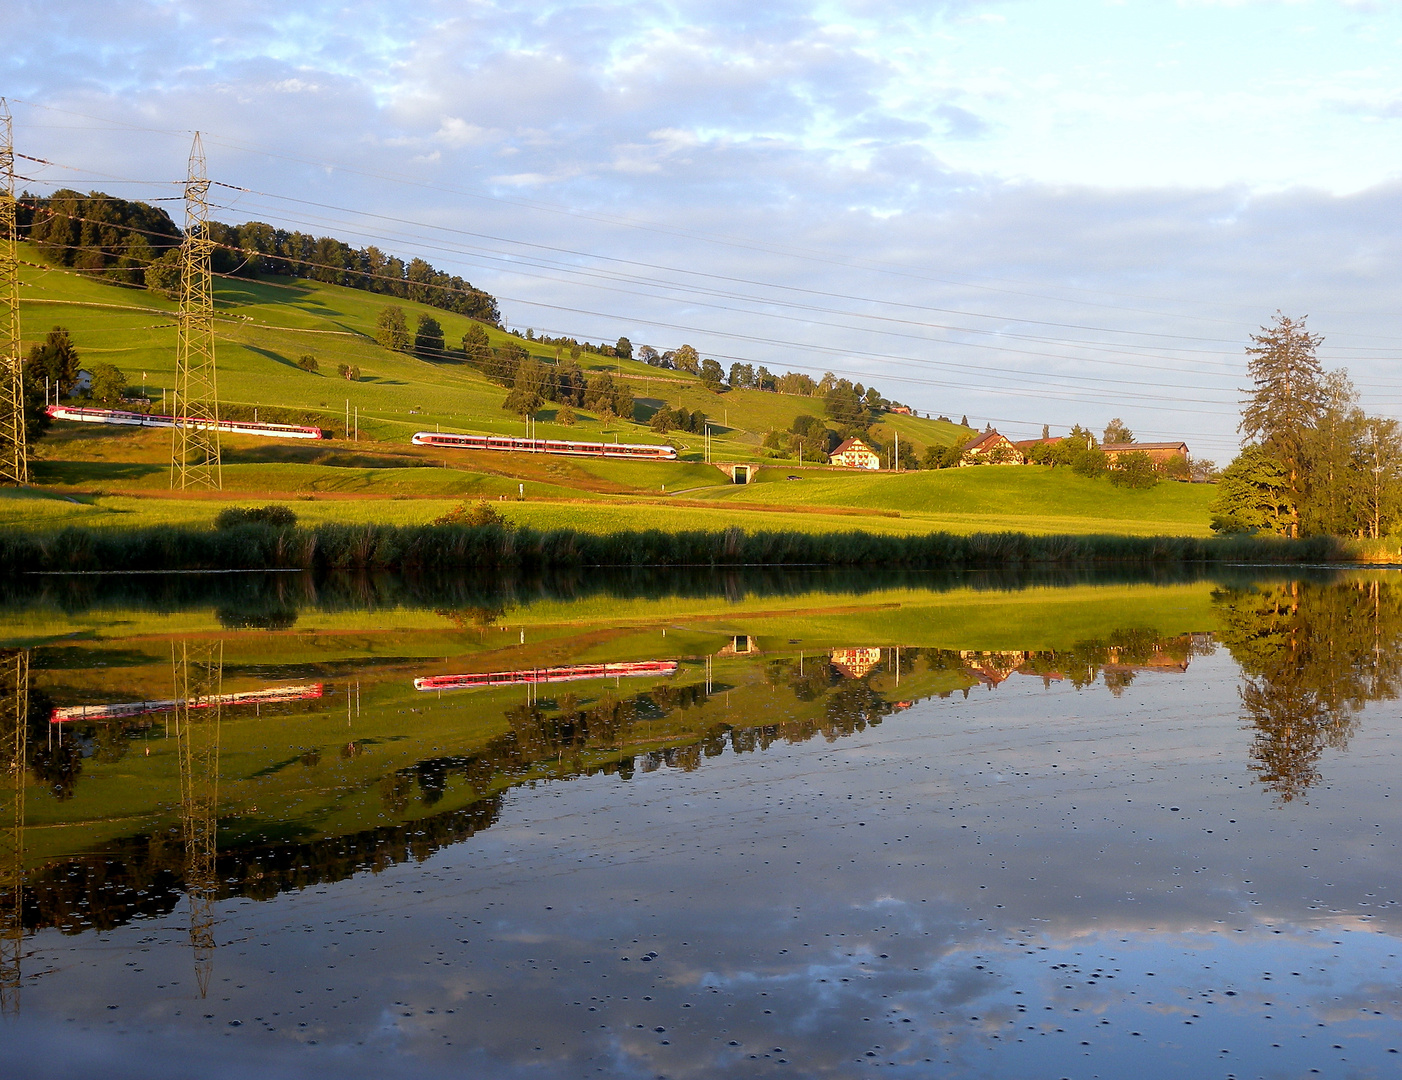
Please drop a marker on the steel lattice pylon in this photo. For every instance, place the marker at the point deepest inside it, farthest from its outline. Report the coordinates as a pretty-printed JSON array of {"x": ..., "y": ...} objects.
[
  {"x": 199, "y": 674},
  {"x": 14, "y": 715},
  {"x": 14, "y": 468},
  {"x": 195, "y": 449}
]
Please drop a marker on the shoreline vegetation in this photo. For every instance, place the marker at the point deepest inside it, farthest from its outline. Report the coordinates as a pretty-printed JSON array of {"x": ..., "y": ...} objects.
[{"x": 263, "y": 545}]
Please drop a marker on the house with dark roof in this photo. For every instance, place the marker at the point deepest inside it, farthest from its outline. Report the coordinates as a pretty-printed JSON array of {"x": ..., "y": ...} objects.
[
  {"x": 991, "y": 448},
  {"x": 1160, "y": 453},
  {"x": 855, "y": 454}
]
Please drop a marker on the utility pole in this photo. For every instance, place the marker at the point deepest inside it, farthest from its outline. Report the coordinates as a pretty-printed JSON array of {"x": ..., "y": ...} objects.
[
  {"x": 199, "y": 675},
  {"x": 14, "y": 717},
  {"x": 14, "y": 468},
  {"x": 195, "y": 458}
]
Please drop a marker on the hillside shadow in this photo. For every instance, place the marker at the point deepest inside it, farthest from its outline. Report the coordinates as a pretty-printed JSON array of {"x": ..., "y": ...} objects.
[
  {"x": 243, "y": 291},
  {"x": 82, "y": 472},
  {"x": 270, "y": 354},
  {"x": 313, "y": 454}
]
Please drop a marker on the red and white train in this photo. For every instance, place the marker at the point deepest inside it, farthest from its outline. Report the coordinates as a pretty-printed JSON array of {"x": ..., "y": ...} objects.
[
  {"x": 156, "y": 420},
  {"x": 633, "y": 451},
  {"x": 127, "y": 709},
  {"x": 527, "y": 676}
]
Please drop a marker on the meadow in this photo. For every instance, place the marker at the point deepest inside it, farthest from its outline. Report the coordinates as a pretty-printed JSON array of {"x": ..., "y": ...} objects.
[
  {"x": 369, "y": 472},
  {"x": 263, "y": 327}
]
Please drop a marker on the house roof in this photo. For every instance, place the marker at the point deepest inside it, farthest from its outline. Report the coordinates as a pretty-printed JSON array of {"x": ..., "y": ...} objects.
[
  {"x": 978, "y": 442},
  {"x": 1121, "y": 447},
  {"x": 851, "y": 444},
  {"x": 1027, "y": 444}
]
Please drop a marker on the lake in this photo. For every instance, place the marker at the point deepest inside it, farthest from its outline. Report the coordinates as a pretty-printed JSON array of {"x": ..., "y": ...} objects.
[{"x": 702, "y": 825}]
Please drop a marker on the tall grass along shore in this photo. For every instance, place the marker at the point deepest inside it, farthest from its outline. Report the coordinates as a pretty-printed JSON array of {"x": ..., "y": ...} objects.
[{"x": 267, "y": 546}]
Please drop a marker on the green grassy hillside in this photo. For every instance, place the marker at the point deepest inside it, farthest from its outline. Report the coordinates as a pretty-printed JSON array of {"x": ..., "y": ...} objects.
[
  {"x": 107, "y": 476},
  {"x": 265, "y": 325}
]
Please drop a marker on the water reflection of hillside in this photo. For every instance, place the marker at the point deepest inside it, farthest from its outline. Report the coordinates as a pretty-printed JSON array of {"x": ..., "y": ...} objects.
[
  {"x": 1312, "y": 654},
  {"x": 832, "y": 695}
]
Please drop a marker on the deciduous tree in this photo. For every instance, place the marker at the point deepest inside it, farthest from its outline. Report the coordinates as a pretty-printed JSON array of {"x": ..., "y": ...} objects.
[
  {"x": 1116, "y": 431},
  {"x": 391, "y": 329},
  {"x": 428, "y": 338},
  {"x": 1251, "y": 495}
]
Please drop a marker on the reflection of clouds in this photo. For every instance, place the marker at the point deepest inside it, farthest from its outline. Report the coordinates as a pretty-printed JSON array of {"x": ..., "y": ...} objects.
[{"x": 931, "y": 892}]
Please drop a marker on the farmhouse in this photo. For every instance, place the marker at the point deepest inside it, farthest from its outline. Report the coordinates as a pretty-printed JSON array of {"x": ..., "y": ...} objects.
[
  {"x": 855, "y": 454},
  {"x": 1160, "y": 453},
  {"x": 991, "y": 448},
  {"x": 1024, "y": 446}
]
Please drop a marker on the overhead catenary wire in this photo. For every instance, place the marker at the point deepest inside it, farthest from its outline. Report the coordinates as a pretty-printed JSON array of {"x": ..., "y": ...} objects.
[{"x": 982, "y": 370}]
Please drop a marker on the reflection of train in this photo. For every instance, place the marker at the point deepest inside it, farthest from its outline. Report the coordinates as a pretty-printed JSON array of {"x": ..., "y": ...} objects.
[
  {"x": 136, "y": 419},
  {"x": 127, "y": 709},
  {"x": 636, "y": 451},
  {"x": 547, "y": 675}
]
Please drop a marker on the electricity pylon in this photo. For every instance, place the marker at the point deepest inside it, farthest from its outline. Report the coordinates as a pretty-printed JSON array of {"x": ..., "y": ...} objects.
[
  {"x": 199, "y": 674},
  {"x": 14, "y": 468},
  {"x": 14, "y": 715},
  {"x": 195, "y": 448}
]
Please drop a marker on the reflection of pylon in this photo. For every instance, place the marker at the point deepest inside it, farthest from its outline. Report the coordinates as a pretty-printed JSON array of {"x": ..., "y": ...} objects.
[
  {"x": 199, "y": 673},
  {"x": 14, "y": 712},
  {"x": 14, "y": 468},
  {"x": 195, "y": 451}
]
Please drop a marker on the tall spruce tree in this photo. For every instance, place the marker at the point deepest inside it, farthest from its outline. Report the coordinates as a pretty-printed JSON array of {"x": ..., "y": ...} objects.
[{"x": 1285, "y": 402}]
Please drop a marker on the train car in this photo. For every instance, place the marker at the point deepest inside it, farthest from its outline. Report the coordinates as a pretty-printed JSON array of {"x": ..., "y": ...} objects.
[
  {"x": 528, "y": 676},
  {"x": 156, "y": 420},
  {"x": 127, "y": 709},
  {"x": 631, "y": 451}
]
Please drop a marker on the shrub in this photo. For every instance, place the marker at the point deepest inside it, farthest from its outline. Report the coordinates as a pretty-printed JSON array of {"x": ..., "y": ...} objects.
[
  {"x": 1089, "y": 463},
  {"x": 564, "y": 416},
  {"x": 307, "y": 362},
  {"x": 1134, "y": 470},
  {"x": 233, "y": 516},
  {"x": 482, "y": 513}
]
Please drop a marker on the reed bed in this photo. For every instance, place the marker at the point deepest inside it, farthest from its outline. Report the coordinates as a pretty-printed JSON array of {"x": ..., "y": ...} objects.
[{"x": 329, "y": 547}]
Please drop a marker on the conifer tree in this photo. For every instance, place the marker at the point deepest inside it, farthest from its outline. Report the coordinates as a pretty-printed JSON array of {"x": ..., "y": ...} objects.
[{"x": 1285, "y": 402}]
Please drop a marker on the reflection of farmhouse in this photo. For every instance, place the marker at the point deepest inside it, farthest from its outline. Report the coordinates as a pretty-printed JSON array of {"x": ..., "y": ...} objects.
[
  {"x": 992, "y": 668},
  {"x": 1159, "y": 661},
  {"x": 990, "y": 448},
  {"x": 741, "y": 645},
  {"x": 855, "y": 663},
  {"x": 855, "y": 454}
]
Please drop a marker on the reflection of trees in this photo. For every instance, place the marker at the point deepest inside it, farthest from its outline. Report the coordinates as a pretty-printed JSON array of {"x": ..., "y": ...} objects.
[{"x": 1313, "y": 654}]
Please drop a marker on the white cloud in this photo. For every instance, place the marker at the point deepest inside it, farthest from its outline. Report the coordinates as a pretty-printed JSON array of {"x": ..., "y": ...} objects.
[{"x": 1149, "y": 168}]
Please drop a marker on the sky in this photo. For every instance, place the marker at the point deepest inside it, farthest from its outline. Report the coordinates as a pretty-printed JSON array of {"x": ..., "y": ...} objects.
[{"x": 1024, "y": 213}]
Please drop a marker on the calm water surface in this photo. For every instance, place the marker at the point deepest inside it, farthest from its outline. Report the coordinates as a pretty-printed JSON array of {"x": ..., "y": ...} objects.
[{"x": 808, "y": 828}]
